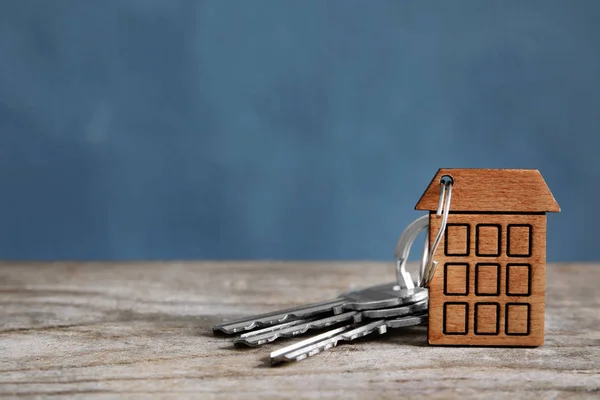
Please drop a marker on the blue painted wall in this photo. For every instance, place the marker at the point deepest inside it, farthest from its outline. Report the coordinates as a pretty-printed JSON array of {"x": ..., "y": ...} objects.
[{"x": 166, "y": 129}]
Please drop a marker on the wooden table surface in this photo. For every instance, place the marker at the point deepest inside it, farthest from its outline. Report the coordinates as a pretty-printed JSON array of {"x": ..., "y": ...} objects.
[{"x": 106, "y": 330}]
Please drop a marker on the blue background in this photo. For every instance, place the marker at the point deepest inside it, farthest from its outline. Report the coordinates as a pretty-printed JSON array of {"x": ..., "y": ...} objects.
[{"x": 147, "y": 129}]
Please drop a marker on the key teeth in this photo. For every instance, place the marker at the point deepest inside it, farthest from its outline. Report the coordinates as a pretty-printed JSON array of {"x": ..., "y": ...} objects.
[
  {"x": 316, "y": 350},
  {"x": 298, "y": 330},
  {"x": 278, "y": 317},
  {"x": 254, "y": 325},
  {"x": 333, "y": 342},
  {"x": 273, "y": 337},
  {"x": 308, "y": 353}
]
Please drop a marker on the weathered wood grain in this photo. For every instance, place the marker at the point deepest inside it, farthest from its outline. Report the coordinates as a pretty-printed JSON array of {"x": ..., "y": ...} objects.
[{"x": 106, "y": 330}]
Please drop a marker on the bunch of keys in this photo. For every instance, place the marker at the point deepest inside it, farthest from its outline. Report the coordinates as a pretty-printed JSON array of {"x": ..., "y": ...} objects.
[
  {"x": 352, "y": 315},
  {"x": 489, "y": 289}
]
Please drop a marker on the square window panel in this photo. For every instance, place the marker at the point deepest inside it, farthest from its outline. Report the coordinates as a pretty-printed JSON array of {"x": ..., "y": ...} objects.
[
  {"x": 456, "y": 279},
  {"x": 487, "y": 279},
  {"x": 457, "y": 239},
  {"x": 487, "y": 318},
  {"x": 518, "y": 279},
  {"x": 456, "y": 318},
  {"x": 517, "y": 319},
  {"x": 519, "y": 238},
  {"x": 488, "y": 240}
]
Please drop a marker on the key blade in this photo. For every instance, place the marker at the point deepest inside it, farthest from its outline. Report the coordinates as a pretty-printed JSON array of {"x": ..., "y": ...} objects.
[
  {"x": 276, "y": 317},
  {"x": 277, "y": 354},
  {"x": 318, "y": 346},
  {"x": 259, "y": 337},
  {"x": 273, "y": 328}
]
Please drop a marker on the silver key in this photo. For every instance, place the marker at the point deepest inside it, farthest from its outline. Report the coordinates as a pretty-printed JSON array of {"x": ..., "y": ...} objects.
[
  {"x": 355, "y": 297},
  {"x": 269, "y": 335},
  {"x": 327, "y": 340}
]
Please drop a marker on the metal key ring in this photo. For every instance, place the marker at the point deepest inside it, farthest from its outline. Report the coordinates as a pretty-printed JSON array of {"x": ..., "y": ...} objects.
[
  {"x": 402, "y": 251},
  {"x": 428, "y": 269}
]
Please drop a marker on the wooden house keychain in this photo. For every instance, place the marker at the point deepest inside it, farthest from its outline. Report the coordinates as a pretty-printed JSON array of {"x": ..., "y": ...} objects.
[
  {"x": 482, "y": 280},
  {"x": 488, "y": 286}
]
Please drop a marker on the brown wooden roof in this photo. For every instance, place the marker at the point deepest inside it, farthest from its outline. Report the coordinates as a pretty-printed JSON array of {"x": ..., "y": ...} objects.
[{"x": 503, "y": 190}]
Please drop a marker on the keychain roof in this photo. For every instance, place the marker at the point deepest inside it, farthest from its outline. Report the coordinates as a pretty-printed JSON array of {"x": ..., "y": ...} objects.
[{"x": 496, "y": 190}]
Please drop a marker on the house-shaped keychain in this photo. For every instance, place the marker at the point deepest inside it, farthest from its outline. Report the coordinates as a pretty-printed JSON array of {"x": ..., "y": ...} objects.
[{"x": 489, "y": 286}]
